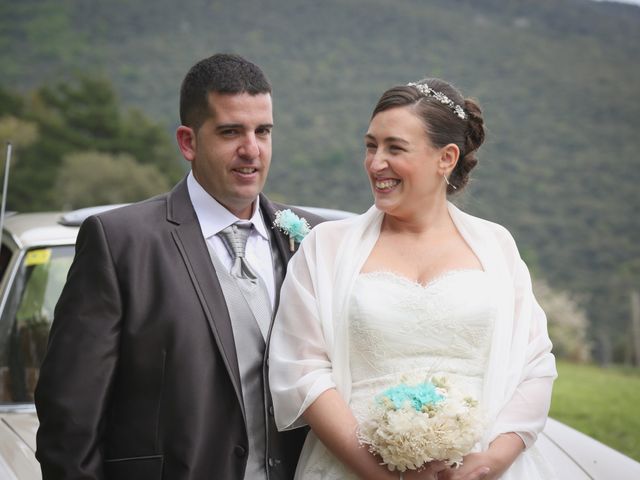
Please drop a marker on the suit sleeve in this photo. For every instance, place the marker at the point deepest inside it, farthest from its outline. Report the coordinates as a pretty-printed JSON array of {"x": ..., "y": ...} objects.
[{"x": 78, "y": 369}]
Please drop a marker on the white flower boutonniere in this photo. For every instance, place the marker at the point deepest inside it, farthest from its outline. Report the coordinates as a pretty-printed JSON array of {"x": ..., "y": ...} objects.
[{"x": 292, "y": 225}]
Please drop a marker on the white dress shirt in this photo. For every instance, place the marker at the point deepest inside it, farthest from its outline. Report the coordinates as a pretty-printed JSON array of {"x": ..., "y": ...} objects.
[{"x": 213, "y": 218}]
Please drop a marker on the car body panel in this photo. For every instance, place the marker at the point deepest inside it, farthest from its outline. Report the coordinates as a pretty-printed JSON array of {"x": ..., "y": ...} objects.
[
  {"x": 39, "y": 228},
  {"x": 594, "y": 459},
  {"x": 17, "y": 444}
]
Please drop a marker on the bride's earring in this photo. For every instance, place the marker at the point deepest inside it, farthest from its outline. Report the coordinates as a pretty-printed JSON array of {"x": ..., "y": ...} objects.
[{"x": 446, "y": 180}]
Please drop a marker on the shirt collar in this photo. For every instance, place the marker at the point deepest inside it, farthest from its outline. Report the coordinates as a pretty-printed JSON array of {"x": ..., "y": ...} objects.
[{"x": 213, "y": 216}]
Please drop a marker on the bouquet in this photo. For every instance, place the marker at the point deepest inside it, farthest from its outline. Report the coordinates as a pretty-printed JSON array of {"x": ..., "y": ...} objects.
[{"x": 410, "y": 425}]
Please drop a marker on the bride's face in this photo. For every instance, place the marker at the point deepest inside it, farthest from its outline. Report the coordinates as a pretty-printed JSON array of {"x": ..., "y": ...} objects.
[{"x": 402, "y": 164}]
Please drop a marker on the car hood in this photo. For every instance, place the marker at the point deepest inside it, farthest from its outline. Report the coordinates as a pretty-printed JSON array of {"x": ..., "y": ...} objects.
[
  {"x": 18, "y": 444},
  {"x": 591, "y": 458}
]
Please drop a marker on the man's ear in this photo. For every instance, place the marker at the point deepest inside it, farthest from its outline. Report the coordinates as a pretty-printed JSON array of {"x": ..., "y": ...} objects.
[
  {"x": 186, "y": 138},
  {"x": 448, "y": 158}
]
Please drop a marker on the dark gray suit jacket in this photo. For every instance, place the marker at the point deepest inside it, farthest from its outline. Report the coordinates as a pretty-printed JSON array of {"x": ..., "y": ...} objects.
[{"x": 140, "y": 380}]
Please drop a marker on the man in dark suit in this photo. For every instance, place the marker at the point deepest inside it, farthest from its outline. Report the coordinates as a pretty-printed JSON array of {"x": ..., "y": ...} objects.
[{"x": 155, "y": 365}]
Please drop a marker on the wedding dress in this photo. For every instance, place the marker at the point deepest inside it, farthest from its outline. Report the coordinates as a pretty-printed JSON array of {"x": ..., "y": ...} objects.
[{"x": 400, "y": 330}]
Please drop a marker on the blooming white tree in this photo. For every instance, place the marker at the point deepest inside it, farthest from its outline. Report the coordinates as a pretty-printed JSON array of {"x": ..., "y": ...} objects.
[{"x": 567, "y": 323}]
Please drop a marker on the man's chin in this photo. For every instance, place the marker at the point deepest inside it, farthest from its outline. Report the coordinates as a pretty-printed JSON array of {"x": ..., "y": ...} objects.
[{"x": 243, "y": 203}]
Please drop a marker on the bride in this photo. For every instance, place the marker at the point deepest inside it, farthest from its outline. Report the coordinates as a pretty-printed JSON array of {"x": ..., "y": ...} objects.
[{"x": 413, "y": 285}]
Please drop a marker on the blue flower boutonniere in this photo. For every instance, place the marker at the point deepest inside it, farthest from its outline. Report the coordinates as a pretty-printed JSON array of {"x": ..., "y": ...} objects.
[{"x": 292, "y": 225}]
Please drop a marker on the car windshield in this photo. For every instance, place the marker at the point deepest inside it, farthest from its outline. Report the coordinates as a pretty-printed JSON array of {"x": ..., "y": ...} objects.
[{"x": 27, "y": 316}]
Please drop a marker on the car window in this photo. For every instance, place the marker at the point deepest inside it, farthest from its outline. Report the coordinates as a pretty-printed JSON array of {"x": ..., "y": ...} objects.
[
  {"x": 5, "y": 257},
  {"x": 27, "y": 317}
]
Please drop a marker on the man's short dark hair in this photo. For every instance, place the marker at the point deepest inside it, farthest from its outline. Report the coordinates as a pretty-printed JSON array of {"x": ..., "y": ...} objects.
[{"x": 220, "y": 73}]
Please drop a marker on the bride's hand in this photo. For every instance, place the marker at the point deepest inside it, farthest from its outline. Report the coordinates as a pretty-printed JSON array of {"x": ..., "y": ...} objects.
[
  {"x": 476, "y": 466},
  {"x": 428, "y": 472},
  {"x": 497, "y": 459}
]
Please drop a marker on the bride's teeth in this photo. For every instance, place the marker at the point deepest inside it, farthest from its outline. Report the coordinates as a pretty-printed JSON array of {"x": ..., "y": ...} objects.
[
  {"x": 246, "y": 170},
  {"x": 384, "y": 184}
]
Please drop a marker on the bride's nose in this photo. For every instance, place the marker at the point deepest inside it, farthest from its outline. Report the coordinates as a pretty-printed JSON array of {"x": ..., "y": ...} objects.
[{"x": 377, "y": 161}]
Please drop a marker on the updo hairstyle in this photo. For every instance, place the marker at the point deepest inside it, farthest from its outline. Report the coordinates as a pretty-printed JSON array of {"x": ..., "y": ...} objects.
[{"x": 442, "y": 125}]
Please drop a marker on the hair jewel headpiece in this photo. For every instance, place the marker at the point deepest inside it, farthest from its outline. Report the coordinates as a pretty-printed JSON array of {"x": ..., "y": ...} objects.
[{"x": 427, "y": 91}]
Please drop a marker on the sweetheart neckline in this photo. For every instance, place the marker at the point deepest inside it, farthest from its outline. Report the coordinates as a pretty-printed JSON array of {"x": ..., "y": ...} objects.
[{"x": 446, "y": 274}]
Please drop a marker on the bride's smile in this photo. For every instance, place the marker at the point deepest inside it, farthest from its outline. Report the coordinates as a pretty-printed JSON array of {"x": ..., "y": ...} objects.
[{"x": 404, "y": 168}]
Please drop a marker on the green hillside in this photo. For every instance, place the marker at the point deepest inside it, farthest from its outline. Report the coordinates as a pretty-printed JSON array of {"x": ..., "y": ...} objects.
[{"x": 559, "y": 81}]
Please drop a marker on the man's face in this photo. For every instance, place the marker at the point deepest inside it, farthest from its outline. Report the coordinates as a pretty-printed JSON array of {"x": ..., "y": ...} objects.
[{"x": 231, "y": 151}]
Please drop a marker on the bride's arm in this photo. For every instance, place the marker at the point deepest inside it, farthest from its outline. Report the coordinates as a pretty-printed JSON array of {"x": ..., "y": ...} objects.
[
  {"x": 334, "y": 424},
  {"x": 525, "y": 412},
  {"x": 502, "y": 452},
  {"x": 332, "y": 421}
]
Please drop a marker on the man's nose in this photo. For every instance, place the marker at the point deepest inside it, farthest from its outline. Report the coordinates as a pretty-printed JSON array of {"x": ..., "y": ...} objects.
[{"x": 249, "y": 148}]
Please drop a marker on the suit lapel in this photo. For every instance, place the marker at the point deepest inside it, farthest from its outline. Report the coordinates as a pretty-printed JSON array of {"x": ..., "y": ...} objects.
[
  {"x": 280, "y": 240},
  {"x": 192, "y": 249}
]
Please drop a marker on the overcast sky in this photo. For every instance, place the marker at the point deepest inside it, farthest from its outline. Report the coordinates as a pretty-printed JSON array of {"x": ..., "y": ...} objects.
[{"x": 633, "y": 2}]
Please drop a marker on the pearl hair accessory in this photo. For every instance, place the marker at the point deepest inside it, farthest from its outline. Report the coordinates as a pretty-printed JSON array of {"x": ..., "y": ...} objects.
[{"x": 427, "y": 91}]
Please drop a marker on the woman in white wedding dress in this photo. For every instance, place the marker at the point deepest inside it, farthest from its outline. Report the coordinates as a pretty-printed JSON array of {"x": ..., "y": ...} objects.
[{"x": 414, "y": 286}]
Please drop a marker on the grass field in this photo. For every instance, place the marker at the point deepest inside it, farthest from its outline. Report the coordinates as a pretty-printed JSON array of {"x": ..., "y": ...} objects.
[{"x": 601, "y": 402}]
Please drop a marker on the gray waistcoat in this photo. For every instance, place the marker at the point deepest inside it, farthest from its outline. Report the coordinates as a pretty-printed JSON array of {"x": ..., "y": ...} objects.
[{"x": 262, "y": 461}]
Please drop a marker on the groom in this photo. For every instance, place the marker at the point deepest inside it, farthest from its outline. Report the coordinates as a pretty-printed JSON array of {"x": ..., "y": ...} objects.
[{"x": 154, "y": 368}]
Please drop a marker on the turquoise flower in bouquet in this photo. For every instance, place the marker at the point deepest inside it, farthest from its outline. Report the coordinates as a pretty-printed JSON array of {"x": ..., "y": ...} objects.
[{"x": 418, "y": 396}]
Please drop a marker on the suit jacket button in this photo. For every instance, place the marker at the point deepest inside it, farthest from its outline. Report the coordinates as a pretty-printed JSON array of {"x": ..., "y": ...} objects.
[
  {"x": 272, "y": 463},
  {"x": 271, "y": 410},
  {"x": 240, "y": 451}
]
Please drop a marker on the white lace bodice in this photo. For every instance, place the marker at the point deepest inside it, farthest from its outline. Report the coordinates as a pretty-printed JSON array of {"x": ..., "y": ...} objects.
[
  {"x": 399, "y": 328},
  {"x": 397, "y": 325}
]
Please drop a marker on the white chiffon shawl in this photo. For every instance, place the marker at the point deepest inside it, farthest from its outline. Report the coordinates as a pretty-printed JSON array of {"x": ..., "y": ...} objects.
[{"x": 309, "y": 343}]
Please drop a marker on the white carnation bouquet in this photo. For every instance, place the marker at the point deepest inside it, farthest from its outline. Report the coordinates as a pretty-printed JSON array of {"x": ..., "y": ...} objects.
[{"x": 410, "y": 425}]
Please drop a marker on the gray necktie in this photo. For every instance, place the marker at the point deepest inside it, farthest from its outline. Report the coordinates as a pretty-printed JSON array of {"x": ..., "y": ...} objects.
[
  {"x": 234, "y": 238},
  {"x": 255, "y": 291}
]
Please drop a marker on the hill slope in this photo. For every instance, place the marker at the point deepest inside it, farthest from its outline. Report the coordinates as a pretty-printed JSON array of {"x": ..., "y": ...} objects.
[{"x": 559, "y": 81}]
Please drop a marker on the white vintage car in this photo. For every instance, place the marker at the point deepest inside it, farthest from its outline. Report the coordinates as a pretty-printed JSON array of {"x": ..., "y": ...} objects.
[{"x": 37, "y": 250}]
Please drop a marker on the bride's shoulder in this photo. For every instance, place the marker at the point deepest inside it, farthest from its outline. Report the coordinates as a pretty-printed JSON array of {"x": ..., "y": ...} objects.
[
  {"x": 486, "y": 228},
  {"x": 334, "y": 228}
]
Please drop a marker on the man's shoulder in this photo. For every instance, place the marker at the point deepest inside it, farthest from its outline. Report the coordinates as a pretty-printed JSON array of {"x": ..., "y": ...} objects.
[
  {"x": 136, "y": 212},
  {"x": 312, "y": 218},
  {"x": 130, "y": 223}
]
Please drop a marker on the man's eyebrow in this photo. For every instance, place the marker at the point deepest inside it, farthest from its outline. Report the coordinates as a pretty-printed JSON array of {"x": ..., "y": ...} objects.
[
  {"x": 226, "y": 126},
  {"x": 239, "y": 126}
]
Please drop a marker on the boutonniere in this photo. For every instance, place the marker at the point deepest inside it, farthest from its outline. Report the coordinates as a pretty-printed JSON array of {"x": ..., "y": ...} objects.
[{"x": 292, "y": 225}]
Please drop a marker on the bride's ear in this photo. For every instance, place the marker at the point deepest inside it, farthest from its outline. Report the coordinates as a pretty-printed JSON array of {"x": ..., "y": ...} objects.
[{"x": 449, "y": 155}]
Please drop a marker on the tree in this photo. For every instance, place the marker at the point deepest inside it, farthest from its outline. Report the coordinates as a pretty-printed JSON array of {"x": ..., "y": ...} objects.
[
  {"x": 10, "y": 103},
  {"x": 95, "y": 178},
  {"x": 567, "y": 323},
  {"x": 21, "y": 133},
  {"x": 80, "y": 116}
]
